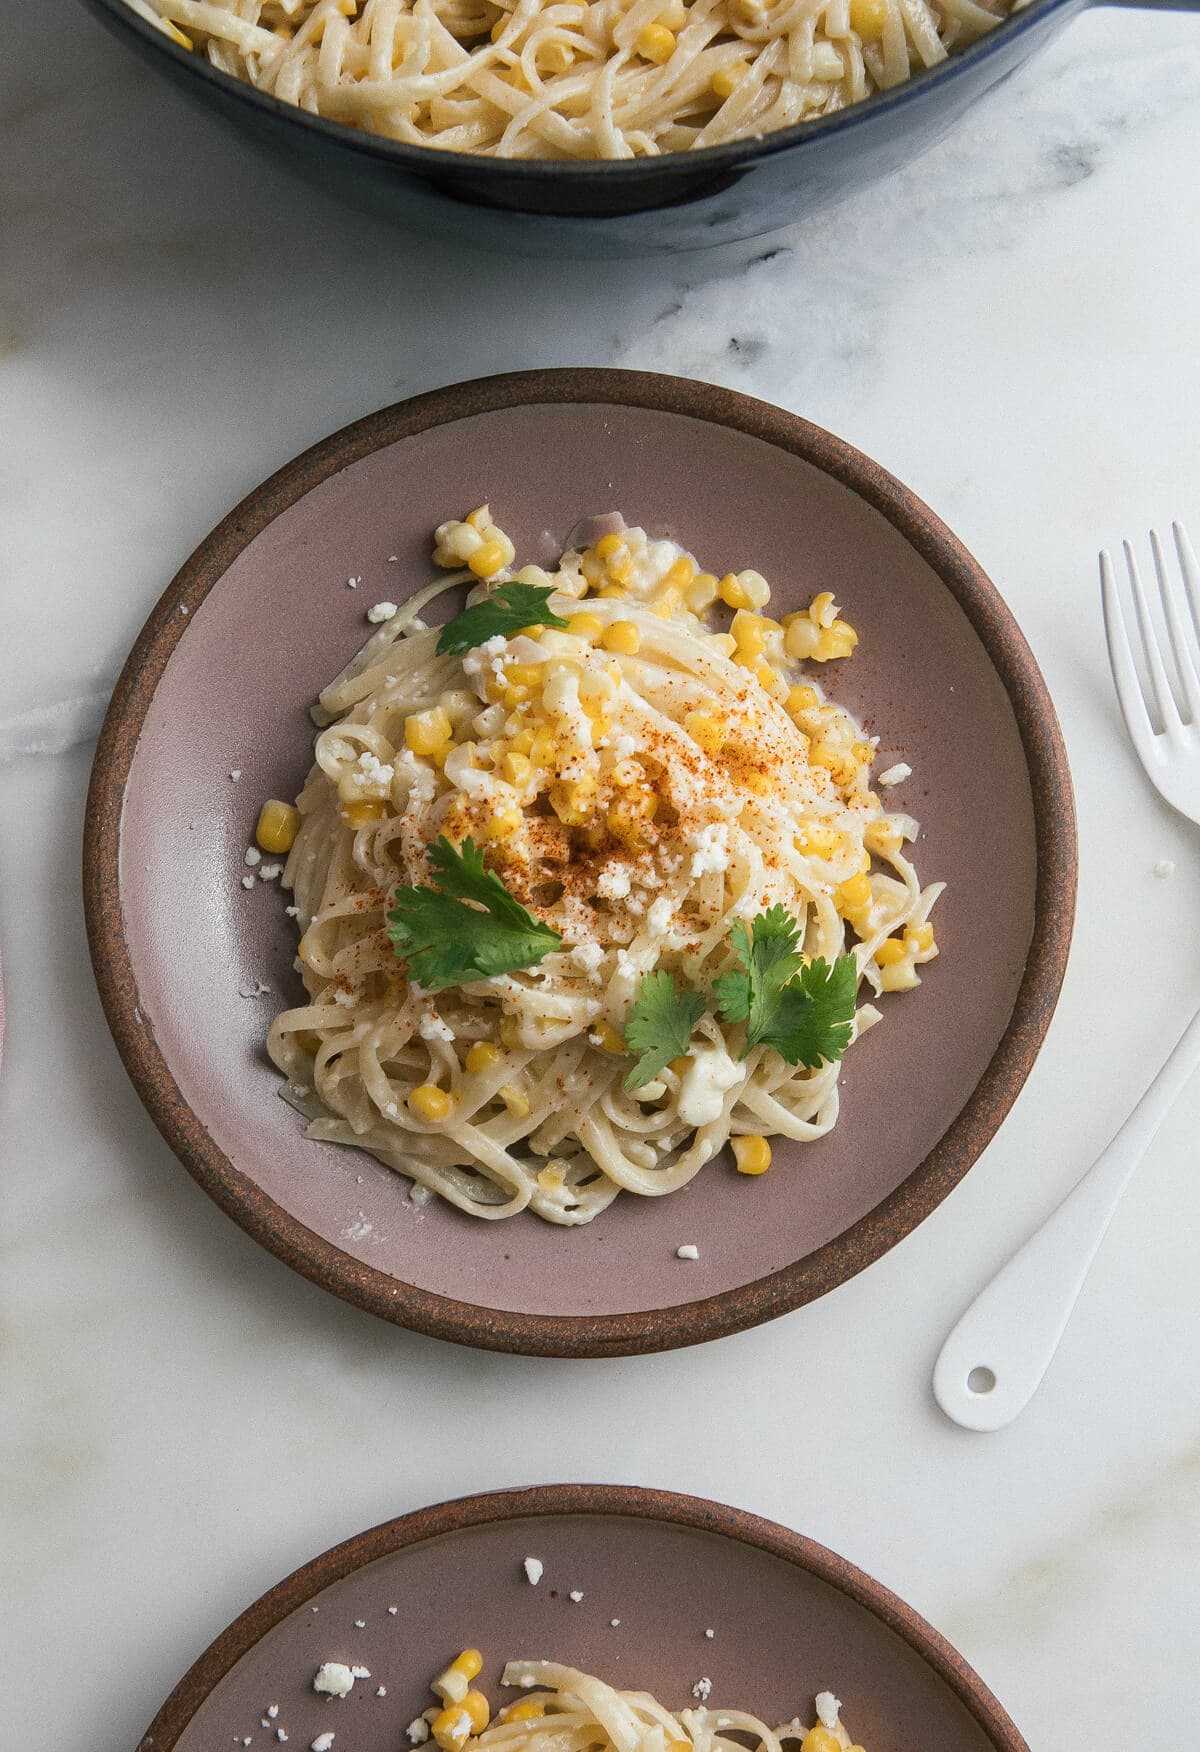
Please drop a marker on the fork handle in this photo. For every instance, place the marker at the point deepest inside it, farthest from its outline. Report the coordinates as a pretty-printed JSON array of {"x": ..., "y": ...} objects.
[{"x": 1007, "y": 1337}]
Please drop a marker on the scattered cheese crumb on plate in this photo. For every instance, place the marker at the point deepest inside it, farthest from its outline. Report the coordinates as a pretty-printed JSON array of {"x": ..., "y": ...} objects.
[
  {"x": 382, "y": 611},
  {"x": 895, "y": 775},
  {"x": 334, "y": 1678},
  {"x": 689, "y": 1250},
  {"x": 535, "y": 1569}
]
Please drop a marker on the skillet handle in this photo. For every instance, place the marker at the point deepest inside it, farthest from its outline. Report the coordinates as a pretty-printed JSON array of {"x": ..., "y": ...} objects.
[{"x": 1152, "y": 5}]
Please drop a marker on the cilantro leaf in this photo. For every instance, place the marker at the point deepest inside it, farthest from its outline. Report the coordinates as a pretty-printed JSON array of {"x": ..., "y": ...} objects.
[
  {"x": 505, "y": 611},
  {"x": 659, "y": 1026},
  {"x": 804, "y": 1012},
  {"x": 447, "y": 942}
]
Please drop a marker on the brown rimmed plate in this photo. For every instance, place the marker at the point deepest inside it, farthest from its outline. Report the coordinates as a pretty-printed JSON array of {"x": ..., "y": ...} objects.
[
  {"x": 788, "y": 1618},
  {"x": 260, "y": 617}
]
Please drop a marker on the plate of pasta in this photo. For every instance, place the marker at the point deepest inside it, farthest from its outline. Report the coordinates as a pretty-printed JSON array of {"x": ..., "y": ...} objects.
[
  {"x": 629, "y": 894},
  {"x": 577, "y": 1618}
]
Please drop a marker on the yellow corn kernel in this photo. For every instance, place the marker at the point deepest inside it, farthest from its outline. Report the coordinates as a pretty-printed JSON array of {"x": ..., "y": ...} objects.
[
  {"x": 480, "y": 518},
  {"x": 750, "y": 635},
  {"x": 919, "y": 938},
  {"x": 769, "y": 680},
  {"x": 430, "y": 1103},
  {"x": 890, "y": 951},
  {"x": 510, "y": 1033},
  {"x": 732, "y": 592},
  {"x": 601, "y": 727},
  {"x": 752, "y": 590},
  {"x": 426, "y": 731},
  {"x": 608, "y": 545},
  {"x": 854, "y": 895},
  {"x": 609, "y": 1038},
  {"x": 628, "y": 817},
  {"x": 673, "y": 15},
  {"x": 622, "y": 637},
  {"x": 664, "y": 608},
  {"x": 451, "y": 1728},
  {"x": 752, "y": 1155},
  {"x": 760, "y": 784},
  {"x": 503, "y": 825},
  {"x": 487, "y": 559},
  {"x": 818, "y": 841},
  {"x": 515, "y": 1100},
  {"x": 680, "y": 573},
  {"x": 500, "y": 26},
  {"x": 358, "y": 815},
  {"x": 726, "y": 80},
  {"x": 840, "y": 767},
  {"x": 800, "y": 636},
  {"x": 554, "y": 57},
  {"x": 900, "y": 976},
  {"x": 524, "y": 674},
  {"x": 835, "y": 642},
  {"x": 820, "y": 1740},
  {"x": 707, "y": 731},
  {"x": 725, "y": 643},
  {"x": 520, "y": 742},
  {"x": 574, "y": 799},
  {"x": 821, "y": 606},
  {"x": 801, "y": 699},
  {"x": 883, "y": 838},
  {"x": 612, "y": 590},
  {"x": 470, "y": 1662},
  {"x": 528, "y": 1710},
  {"x": 543, "y": 747},
  {"x": 475, "y": 1703},
  {"x": 655, "y": 43},
  {"x": 585, "y": 626},
  {"x": 868, "y": 18},
  {"x": 516, "y": 768},
  {"x": 481, "y": 1057},
  {"x": 278, "y": 824},
  {"x": 701, "y": 593}
]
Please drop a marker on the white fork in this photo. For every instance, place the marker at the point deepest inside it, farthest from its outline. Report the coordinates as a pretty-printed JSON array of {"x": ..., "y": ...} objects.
[{"x": 994, "y": 1359}]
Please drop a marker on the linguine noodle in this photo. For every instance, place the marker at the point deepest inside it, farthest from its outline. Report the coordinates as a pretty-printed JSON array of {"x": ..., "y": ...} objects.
[
  {"x": 571, "y": 79},
  {"x": 640, "y": 783}
]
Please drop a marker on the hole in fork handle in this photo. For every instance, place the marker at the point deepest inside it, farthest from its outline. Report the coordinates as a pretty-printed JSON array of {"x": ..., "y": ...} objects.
[{"x": 981, "y": 1380}]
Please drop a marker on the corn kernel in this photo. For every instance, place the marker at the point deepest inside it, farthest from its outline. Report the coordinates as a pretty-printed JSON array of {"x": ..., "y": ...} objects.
[
  {"x": 854, "y": 895},
  {"x": 751, "y": 1154},
  {"x": 554, "y": 57},
  {"x": 801, "y": 699},
  {"x": 510, "y": 1033},
  {"x": 628, "y": 818},
  {"x": 701, "y": 593},
  {"x": 725, "y": 643},
  {"x": 470, "y": 1662},
  {"x": 868, "y": 18},
  {"x": 608, "y": 545},
  {"x": 919, "y": 938},
  {"x": 863, "y": 753},
  {"x": 726, "y": 80},
  {"x": 818, "y": 841},
  {"x": 515, "y": 1100},
  {"x": 358, "y": 815},
  {"x": 278, "y": 824},
  {"x": 837, "y": 641},
  {"x": 890, "y": 951},
  {"x": 516, "y": 768},
  {"x": 821, "y": 610},
  {"x": 706, "y": 730},
  {"x": 820, "y": 1740},
  {"x": 620, "y": 569},
  {"x": 481, "y": 1057},
  {"x": 451, "y": 1728},
  {"x": 883, "y": 838},
  {"x": 503, "y": 825},
  {"x": 622, "y": 637},
  {"x": 655, "y": 43},
  {"x": 528, "y": 1710},
  {"x": 612, "y": 590},
  {"x": 524, "y": 674},
  {"x": 732, "y": 593},
  {"x": 585, "y": 626},
  {"x": 479, "y": 518},
  {"x": 573, "y": 799},
  {"x": 664, "y": 608},
  {"x": 475, "y": 1703},
  {"x": 487, "y": 559},
  {"x": 901, "y": 976},
  {"x": 760, "y": 784},
  {"x": 680, "y": 572},
  {"x": 769, "y": 680},
  {"x": 749, "y": 632},
  {"x": 800, "y": 636},
  {"x": 425, "y": 731},
  {"x": 610, "y": 1040},
  {"x": 430, "y": 1103},
  {"x": 673, "y": 15}
]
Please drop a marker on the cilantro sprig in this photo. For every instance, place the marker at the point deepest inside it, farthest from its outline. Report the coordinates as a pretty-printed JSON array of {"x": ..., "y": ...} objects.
[
  {"x": 505, "y": 611},
  {"x": 448, "y": 941},
  {"x": 804, "y": 1011},
  {"x": 659, "y": 1027}
]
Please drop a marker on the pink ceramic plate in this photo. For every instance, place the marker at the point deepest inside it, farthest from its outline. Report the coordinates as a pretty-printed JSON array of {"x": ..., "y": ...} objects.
[
  {"x": 788, "y": 1618},
  {"x": 260, "y": 618}
]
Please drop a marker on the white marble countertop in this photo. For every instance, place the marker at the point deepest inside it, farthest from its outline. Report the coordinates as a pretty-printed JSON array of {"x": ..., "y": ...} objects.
[{"x": 1011, "y": 327}]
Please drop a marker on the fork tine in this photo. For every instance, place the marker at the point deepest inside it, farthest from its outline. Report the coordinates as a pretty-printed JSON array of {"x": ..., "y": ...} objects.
[
  {"x": 1181, "y": 634},
  {"x": 1160, "y": 686},
  {"x": 1120, "y": 657},
  {"x": 1191, "y": 573}
]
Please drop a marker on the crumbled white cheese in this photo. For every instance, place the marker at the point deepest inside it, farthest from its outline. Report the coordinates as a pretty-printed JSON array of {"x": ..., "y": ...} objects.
[
  {"x": 343, "y": 997},
  {"x": 418, "y": 1195},
  {"x": 353, "y": 583},
  {"x": 382, "y": 611},
  {"x": 272, "y": 1710},
  {"x": 614, "y": 1622},
  {"x": 371, "y": 776},
  {"x": 613, "y": 883},
  {"x": 361, "y": 1672},
  {"x": 660, "y": 914},
  {"x": 255, "y": 990},
  {"x": 829, "y": 1708},
  {"x": 710, "y": 850},
  {"x": 253, "y": 856},
  {"x": 623, "y": 747},
  {"x": 1165, "y": 867},
  {"x": 535, "y": 1569},
  {"x": 710, "y": 1633},
  {"x": 895, "y": 775},
  {"x": 281, "y": 1735},
  {"x": 270, "y": 872},
  {"x": 381, "y": 1691},
  {"x": 417, "y": 1731},
  {"x": 392, "y": 1611},
  {"x": 702, "y": 1689},
  {"x": 689, "y": 1250},
  {"x": 247, "y": 882},
  {"x": 235, "y": 774},
  {"x": 702, "y": 1088},
  {"x": 334, "y": 1678},
  {"x": 431, "y": 1027},
  {"x": 576, "y": 1594},
  {"x": 322, "y": 1743},
  {"x": 359, "y": 1624},
  {"x": 292, "y": 912},
  {"x": 184, "y": 609},
  {"x": 587, "y": 958}
]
